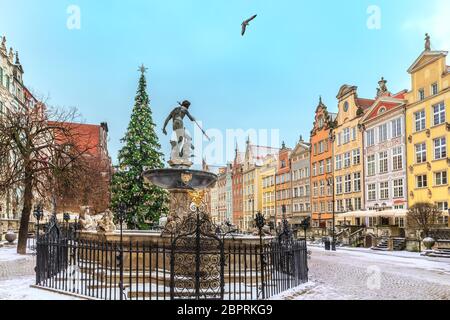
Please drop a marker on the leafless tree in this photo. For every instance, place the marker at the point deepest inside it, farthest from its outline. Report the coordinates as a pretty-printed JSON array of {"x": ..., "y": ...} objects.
[
  {"x": 423, "y": 216},
  {"x": 35, "y": 156}
]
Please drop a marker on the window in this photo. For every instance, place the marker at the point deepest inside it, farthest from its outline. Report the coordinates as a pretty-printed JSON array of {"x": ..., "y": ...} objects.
[
  {"x": 442, "y": 206},
  {"x": 370, "y": 137},
  {"x": 440, "y": 178},
  {"x": 315, "y": 189},
  {"x": 419, "y": 118},
  {"x": 383, "y": 132},
  {"x": 358, "y": 204},
  {"x": 338, "y": 185},
  {"x": 397, "y": 128},
  {"x": 421, "y": 94},
  {"x": 339, "y": 138},
  {"x": 314, "y": 169},
  {"x": 371, "y": 165},
  {"x": 347, "y": 161},
  {"x": 346, "y": 135},
  {"x": 320, "y": 147},
  {"x": 421, "y": 181},
  {"x": 322, "y": 207},
  {"x": 340, "y": 206},
  {"x": 321, "y": 167},
  {"x": 440, "y": 148},
  {"x": 434, "y": 89},
  {"x": 322, "y": 187},
  {"x": 328, "y": 165},
  {"x": 356, "y": 157},
  {"x": 398, "y": 188},
  {"x": 353, "y": 133},
  {"x": 421, "y": 152},
  {"x": 357, "y": 181},
  {"x": 348, "y": 183},
  {"x": 439, "y": 114},
  {"x": 383, "y": 162},
  {"x": 384, "y": 190},
  {"x": 397, "y": 158},
  {"x": 348, "y": 204},
  {"x": 338, "y": 162},
  {"x": 372, "y": 192}
]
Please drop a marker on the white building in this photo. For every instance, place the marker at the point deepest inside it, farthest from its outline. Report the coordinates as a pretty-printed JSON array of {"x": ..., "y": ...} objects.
[{"x": 385, "y": 155}]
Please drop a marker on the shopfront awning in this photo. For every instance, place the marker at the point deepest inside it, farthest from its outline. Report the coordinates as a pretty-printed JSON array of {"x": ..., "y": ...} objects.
[{"x": 397, "y": 213}]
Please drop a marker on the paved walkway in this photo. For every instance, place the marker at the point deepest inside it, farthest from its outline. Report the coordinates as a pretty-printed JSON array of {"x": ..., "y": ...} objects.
[{"x": 363, "y": 274}]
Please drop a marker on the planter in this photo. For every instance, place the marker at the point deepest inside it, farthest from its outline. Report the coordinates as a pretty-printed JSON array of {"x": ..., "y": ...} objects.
[
  {"x": 10, "y": 236},
  {"x": 429, "y": 243}
]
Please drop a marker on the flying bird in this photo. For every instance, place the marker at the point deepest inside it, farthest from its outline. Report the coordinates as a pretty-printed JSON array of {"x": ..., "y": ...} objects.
[{"x": 246, "y": 23}]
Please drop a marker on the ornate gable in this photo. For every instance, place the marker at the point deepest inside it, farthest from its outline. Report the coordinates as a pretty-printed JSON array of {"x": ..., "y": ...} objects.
[{"x": 425, "y": 59}]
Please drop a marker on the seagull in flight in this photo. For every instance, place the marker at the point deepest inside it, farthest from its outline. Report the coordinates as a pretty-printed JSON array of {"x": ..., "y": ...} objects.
[{"x": 246, "y": 23}]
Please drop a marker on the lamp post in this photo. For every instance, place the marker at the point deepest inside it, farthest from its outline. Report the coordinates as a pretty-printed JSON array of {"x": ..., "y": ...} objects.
[
  {"x": 121, "y": 214},
  {"x": 333, "y": 231},
  {"x": 38, "y": 213},
  {"x": 252, "y": 201}
]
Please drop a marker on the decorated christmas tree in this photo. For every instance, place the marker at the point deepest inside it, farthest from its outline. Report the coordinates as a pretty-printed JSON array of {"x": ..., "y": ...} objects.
[{"x": 144, "y": 203}]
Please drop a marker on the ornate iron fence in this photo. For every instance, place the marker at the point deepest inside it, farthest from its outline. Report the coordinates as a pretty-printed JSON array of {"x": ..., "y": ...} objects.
[{"x": 192, "y": 263}]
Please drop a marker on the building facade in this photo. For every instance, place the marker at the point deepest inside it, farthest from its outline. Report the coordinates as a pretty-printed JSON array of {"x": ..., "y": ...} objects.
[
  {"x": 283, "y": 186},
  {"x": 12, "y": 97},
  {"x": 348, "y": 150},
  {"x": 428, "y": 129},
  {"x": 252, "y": 192},
  {"x": 321, "y": 158},
  {"x": 385, "y": 180},
  {"x": 300, "y": 176},
  {"x": 237, "y": 189},
  {"x": 268, "y": 173}
]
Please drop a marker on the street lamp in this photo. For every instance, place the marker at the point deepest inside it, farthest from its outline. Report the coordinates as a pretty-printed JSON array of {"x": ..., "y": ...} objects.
[
  {"x": 121, "y": 214},
  {"x": 333, "y": 242},
  {"x": 38, "y": 213},
  {"x": 252, "y": 201}
]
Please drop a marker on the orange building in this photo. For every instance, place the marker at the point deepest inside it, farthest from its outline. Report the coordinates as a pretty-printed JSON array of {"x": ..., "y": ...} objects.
[{"x": 322, "y": 168}]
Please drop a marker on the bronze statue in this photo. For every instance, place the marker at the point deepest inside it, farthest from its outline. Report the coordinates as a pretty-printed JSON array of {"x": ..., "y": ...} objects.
[
  {"x": 181, "y": 148},
  {"x": 382, "y": 87},
  {"x": 427, "y": 42}
]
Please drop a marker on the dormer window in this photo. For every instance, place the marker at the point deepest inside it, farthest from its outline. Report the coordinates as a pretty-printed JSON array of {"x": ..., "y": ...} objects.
[
  {"x": 421, "y": 94},
  {"x": 320, "y": 122},
  {"x": 434, "y": 89}
]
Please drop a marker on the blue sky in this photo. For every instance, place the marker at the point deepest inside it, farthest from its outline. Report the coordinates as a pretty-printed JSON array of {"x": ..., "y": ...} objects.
[{"x": 271, "y": 78}]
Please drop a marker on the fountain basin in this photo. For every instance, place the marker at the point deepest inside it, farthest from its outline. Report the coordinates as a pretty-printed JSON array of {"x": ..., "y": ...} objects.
[{"x": 180, "y": 179}]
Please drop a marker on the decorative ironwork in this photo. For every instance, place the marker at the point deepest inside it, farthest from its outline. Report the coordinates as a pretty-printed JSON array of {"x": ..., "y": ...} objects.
[{"x": 197, "y": 257}]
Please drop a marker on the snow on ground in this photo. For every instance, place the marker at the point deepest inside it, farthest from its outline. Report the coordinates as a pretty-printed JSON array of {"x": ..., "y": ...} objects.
[
  {"x": 19, "y": 289},
  {"x": 312, "y": 291},
  {"x": 395, "y": 258},
  {"x": 15, "y": 265}
]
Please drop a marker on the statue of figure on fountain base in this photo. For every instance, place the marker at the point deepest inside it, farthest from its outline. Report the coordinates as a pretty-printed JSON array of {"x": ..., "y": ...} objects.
[{"x": 106, "y": 223}]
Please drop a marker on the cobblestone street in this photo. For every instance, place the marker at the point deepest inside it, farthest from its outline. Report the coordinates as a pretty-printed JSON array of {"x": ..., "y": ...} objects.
[{"x": 360, "y": 274}]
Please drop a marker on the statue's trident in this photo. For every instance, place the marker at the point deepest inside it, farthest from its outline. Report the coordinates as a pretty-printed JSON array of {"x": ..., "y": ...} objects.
[{"x": 198, "y": 125}]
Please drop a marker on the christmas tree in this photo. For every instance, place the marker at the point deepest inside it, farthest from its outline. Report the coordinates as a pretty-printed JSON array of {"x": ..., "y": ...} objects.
[{"x": 145, "y": 203}]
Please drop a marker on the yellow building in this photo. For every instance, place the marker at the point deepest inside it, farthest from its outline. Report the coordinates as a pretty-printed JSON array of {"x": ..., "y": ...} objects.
[
  {"x": 268, "y": 173},
  {"x": 348, "y": 152},
  {"x": 428, "y": 129},
  {"x": 252, "y": 182}
]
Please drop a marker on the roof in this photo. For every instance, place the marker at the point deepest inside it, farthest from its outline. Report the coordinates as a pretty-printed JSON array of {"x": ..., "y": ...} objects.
[
  {"x": 364, "y": 103},
  {"x": 259, "y": 153},
  {"x": 389, "y": 104},
  {"x": 426, "y": 58}
]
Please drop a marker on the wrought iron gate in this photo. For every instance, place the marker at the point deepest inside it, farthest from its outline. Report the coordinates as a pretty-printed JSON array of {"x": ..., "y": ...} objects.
[{"x": 197, "y": 260}]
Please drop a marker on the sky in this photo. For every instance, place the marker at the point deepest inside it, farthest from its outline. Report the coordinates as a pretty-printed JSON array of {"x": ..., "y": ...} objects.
[{"x": 86, "y": 54}]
